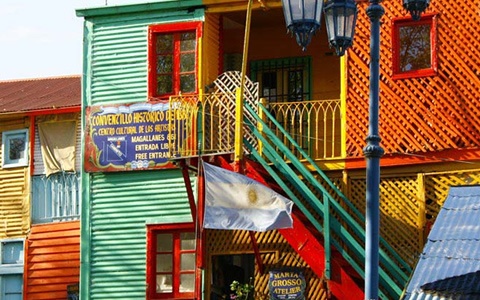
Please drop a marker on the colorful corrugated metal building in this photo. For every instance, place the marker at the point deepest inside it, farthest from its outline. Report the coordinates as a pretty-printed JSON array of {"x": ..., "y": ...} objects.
[
  {"x": 159, "y": 96},
  {"x": 40, "y": 190}
]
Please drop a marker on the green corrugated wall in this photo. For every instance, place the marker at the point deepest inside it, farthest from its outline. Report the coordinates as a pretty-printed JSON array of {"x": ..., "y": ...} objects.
[
  {"x": 117, "y": 206},
  {"x": 121, "y": 205}
]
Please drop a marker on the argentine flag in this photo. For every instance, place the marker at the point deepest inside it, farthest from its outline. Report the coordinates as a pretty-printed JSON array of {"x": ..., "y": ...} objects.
[{"x": 234, "y": 201}]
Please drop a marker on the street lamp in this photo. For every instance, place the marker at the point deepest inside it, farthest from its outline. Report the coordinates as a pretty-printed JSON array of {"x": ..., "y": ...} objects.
[
  {"x": 340, "y": 17},
  {"x": 416, "y": 7},
  {"x": 303, "y": 19}
]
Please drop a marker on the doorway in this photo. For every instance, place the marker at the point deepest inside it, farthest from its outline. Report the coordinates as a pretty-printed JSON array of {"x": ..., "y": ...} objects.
[{"x": 226, "y": 269}]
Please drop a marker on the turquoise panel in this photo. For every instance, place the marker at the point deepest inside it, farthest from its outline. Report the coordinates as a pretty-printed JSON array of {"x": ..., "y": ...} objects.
[{"x": 120, "y": 206}]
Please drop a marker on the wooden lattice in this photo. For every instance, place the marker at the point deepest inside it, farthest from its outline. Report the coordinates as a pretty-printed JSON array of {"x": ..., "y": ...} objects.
[
  {"x": 419, "y": 114},
  {"x": 225, "y": 86},
  {"x": 438, "y": 185},
  {"x": 217, "y": 114}
]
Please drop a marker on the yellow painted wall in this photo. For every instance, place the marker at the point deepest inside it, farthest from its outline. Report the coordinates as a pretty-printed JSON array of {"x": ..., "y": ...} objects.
[
  {"x": 211, "y": 48},
  {"x": 269, "y": 40},
  {"x": 14, "y": 192}
]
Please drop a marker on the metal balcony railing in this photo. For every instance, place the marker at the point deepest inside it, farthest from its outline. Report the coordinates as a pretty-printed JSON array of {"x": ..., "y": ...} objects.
[{"x": 315, "y": 125}]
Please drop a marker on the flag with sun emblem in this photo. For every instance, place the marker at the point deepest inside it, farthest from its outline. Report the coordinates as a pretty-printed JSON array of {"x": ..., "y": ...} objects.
[{"x": 234, "y": 201}]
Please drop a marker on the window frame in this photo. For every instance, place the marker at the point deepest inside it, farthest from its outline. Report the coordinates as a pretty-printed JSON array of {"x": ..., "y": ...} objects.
[
  {"x": 156, "y": 29},
  {"x": 11, "y": 269},
  {"x": 397, "y": 23},
  {"x": 7, "y": 136},
  {"x": 176, "y": 229}
]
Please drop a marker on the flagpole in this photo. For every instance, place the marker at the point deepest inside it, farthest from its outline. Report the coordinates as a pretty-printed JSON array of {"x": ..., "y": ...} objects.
[{"x": 239, "y": 93}]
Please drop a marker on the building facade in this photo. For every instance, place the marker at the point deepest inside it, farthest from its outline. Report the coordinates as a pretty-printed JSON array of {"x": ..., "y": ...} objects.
[
  {"x": 159, "y": 96},
  {"x": 40, "y": 187}
]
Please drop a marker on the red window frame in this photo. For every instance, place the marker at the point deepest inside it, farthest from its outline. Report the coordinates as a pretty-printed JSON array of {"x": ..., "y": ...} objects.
[
  {"x": 176, "y": 28},
  {"x": 175, "y": 230},
  {"x": 427, "y": 19}
]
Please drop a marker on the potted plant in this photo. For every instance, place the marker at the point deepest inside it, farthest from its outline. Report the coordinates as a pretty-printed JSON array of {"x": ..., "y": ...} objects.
[{"x": 242, "y": 291}]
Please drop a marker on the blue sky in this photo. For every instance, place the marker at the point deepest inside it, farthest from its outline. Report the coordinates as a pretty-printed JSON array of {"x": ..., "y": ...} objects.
[{"x": 43, "y": 38}]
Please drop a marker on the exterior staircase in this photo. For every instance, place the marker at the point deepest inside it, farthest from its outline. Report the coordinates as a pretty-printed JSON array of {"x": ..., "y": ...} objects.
[{"x": 328, "y": 229}]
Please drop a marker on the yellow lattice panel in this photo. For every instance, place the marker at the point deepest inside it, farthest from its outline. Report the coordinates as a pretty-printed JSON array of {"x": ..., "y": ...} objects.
[
  {"x": 438, "y": 185},
  {"x": 409, "y": 205}
]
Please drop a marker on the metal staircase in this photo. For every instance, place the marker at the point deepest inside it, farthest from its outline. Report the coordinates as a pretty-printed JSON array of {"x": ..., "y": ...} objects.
[{"x": 325, "y": 207}]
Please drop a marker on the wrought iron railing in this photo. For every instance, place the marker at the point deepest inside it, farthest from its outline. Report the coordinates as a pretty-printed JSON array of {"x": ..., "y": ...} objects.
[{"x": 315, "y": 125}]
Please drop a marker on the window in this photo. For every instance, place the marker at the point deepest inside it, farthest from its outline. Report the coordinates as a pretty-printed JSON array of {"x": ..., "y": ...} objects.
[
  {"x": 11, "y": 269},
  {"x": 15, "y": 148},
  {"x": 55, "y": 187},
  {"x": 171, "y": 261},
  {"x": 283, "y": 80},
  {"x": 414, "y": 44},
  {"x": 173, "y": 59}
]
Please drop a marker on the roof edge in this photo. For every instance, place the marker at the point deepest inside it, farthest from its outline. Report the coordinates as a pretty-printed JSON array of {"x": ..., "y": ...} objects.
[
  {"x": 41, "y": 78},
  {"x": 136, "y": 7}
]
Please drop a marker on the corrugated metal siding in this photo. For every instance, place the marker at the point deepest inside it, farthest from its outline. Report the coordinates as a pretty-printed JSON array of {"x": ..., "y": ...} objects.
[
  {"x": 14, "y": 204},
  {"x": 118, "y": 63},
  {"x": 452, "y": 252},
  {"x": 121, "y": 203},
  {"x": 39, "y": 167},
  {"x": 53, "y": 260}
]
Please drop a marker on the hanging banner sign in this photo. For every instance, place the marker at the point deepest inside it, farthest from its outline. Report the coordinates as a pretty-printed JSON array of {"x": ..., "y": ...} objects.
[
  {"x": 287, "y": 284},
  {"x": 129, "y": 137}
]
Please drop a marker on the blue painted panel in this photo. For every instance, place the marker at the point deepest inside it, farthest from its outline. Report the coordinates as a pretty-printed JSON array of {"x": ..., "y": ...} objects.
[{"x": 11, "y": 287}]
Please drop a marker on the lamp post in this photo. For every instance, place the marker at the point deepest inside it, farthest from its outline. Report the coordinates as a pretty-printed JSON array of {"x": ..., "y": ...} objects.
[{"x": 340, "y": 18}]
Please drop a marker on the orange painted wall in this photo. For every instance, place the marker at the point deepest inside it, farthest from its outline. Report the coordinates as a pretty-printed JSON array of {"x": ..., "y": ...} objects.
[
  {"x": 420, "y": 114},
  {"x": 52, "y": 260}
]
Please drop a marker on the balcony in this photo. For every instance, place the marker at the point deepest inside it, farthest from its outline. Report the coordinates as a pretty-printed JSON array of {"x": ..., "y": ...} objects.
[{"x": 205, "y": 124}]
